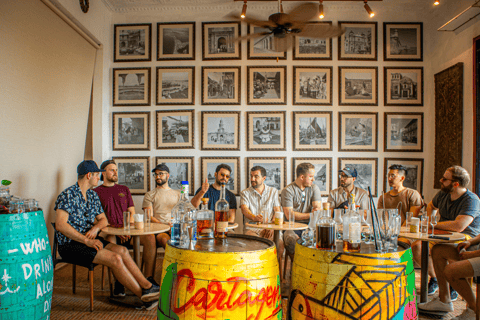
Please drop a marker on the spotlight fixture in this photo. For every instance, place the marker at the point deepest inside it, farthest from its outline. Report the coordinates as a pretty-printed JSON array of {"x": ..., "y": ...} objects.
[
  {"x": 436, "y": 3},
  {"x": 321, "y": 14},
  {"x": 244, "y": 9},
  {"x": 369, "y": 10}
]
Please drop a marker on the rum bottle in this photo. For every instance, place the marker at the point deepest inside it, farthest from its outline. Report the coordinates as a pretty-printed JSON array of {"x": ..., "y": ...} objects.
[
  {"x": 221, "y": 215},
  {"x": 352, "y": 227},
  {"x": 205, "y": 221}
]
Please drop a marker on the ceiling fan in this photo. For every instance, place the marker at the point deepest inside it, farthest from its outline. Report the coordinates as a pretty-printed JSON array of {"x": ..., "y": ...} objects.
[{"x": 283, "y": 26}]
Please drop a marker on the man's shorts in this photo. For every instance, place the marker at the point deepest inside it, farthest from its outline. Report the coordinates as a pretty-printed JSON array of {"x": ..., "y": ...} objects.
[
  {"x": 79, "y": 253},
  {"x": 475, "y": 262}
]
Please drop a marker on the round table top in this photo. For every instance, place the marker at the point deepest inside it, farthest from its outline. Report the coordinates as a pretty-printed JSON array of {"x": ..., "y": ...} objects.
[
  {"x": 154, "y": 229},
  {"x": 453, "y": 237},
  {"x": 285, "y": 226}
]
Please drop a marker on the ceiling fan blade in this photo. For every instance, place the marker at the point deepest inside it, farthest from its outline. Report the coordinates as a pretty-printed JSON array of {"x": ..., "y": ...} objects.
[
  {"x": 320, "y": 31},
  {"x": 251, "y": 20},
  {"x": 249, "y": 36},
  {"x": 303, "y": 12},
  {"x": 283, "y": 44}
]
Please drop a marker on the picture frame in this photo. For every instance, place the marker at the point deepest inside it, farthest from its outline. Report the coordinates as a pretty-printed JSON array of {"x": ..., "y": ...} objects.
[
  {"x": 323, "y": 172},
  {"x": 312, "y": 48},
  {"x": 130, "y": 131},
  {"x": 132, "y": 42},
  {"x": 134, "y": 172},
  {"x": 175, "y": 86},
  {"x": 209, "y": 164},
  {"x": 403, "y": 132},
  {"x": 403, "y": 86},
  {"x": 312, "y": 85},
  {"x": 175, "y": 129},
  {"x": 261, "y": 90},
  {"x": 220, "y": 130},
  {"x": 175, "y": 41},
  {"x": 414, "y": 177},
  {"x": 263, "y": 47},
  {"x": 358, "y": 131},
  {"x": 358, "y": 86},
  {"x": 221, "y": 85},
  {"x": 131, "y": 87},
  {"x": 359, "y": 42},
  {"x": 367, "y": 170},
  {"x": 217, "y": 41},
  {"x": 181, "y": 169},
  {"x": 312, "y": 131},
  {"x": 266, "y": 131},
  {"x": 403, "y": 41},
  {"x": 276, "y": 168}
]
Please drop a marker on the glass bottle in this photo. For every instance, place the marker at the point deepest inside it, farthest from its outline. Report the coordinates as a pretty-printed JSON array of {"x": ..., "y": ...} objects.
[
  {"x": 325, "y": 231},
  {"x": 183, "y": 216},
  {"x": 221, "y": 215},
  {"x": 205, "y": 221},
  {"x": 352, "y": 227}
]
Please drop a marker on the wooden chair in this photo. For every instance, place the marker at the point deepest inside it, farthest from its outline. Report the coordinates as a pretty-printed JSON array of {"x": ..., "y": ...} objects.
[{"x": 57, "y": 259}]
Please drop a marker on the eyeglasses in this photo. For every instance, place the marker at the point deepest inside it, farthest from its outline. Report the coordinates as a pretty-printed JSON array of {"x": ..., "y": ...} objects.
[
  {"x": 393, "y": 176},
  {"x": 342, "y": 176},
  {"x": 445, "y": 179},
  {"x": 159, "y": 174},
  {"x": 303, "y": 196}
]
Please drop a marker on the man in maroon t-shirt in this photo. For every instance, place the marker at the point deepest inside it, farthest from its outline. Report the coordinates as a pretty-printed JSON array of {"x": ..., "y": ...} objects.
[{"x": 116, "y": 199}]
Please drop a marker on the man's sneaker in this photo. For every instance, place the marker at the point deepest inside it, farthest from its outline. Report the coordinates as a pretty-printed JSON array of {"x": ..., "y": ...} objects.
[
  {"x": 467, "y": 314},
  {"x": 432, "y": 286},
  {"x": 148, "y": 305},
  {"x": 118, "y": 290},
  {"x": 150, "y": 294},
  {"x": 152, "y": 281},
  {"x": 436, "y": 306},
  {"x": 453, "y": 294}
]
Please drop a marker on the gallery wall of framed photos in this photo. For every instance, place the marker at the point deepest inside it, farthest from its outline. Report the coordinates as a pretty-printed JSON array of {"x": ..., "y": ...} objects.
[{"x": 185, "y": 94}]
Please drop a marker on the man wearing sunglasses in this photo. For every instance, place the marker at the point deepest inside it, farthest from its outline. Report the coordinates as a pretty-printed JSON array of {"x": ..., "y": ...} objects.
[{"x": 339, "y": 197}]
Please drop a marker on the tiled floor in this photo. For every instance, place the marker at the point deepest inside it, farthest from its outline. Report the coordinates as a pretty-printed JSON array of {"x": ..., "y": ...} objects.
[{"x": 65, "y": 305}]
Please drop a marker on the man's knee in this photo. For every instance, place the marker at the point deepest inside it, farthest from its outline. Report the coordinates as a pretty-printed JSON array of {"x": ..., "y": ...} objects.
[{"x": 450, "y": 272}]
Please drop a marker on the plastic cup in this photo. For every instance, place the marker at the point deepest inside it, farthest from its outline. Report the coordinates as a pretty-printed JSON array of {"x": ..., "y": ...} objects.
[
  {"x": 138, "y": 221},
  {"x": 126, "y": 221}
]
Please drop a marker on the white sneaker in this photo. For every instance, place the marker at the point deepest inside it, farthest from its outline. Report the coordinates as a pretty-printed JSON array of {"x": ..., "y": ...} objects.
[
  {"x": 467, "y": 314},
  {"x": 436, "y": 306}
]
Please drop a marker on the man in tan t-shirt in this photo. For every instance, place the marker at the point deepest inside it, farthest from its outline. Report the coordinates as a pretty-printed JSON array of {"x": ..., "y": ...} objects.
[
  {"x": 161, "y": 200},
  {"x": 410, "y": 199}
]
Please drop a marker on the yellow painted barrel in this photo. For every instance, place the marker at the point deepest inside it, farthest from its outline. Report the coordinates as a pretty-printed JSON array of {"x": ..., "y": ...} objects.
[
  {"x": 365, "y": 285},
  {"x": 232, "y": 279}
]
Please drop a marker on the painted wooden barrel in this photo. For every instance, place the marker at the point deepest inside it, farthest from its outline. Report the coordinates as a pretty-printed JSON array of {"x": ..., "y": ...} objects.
[
  {"x": 26, "y": 269},
  {"x": 364, "y": 285},
  {"x": 233, "y": 279}
]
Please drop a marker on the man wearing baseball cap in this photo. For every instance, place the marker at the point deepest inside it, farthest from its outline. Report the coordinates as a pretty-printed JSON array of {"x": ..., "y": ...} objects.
[
  {"x": 79, "y": 218},
  {"x": 339, "y": 197}
]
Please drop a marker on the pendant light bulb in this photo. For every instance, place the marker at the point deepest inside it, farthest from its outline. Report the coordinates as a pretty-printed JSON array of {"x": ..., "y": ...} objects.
[
  {"x": 436, "y": 3},
  {"x": 369, "y": 10},
  {"x": 244, "y": 10},
  {"x": 321, "y": 14}
]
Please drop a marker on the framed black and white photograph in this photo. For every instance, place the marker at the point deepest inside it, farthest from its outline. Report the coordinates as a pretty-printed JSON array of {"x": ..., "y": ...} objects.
[
  {"x": 266, "y": 131},
  {"x": 131, "y": 87},
  {"x": 367, "y": 170},
  {"x": 323, "y": 172},
  {"x": 312, "y": 131},
  {"x": 358, "y": 131},
  {"x": 414, "y": 177},
  {"x": 403, "y": 86},
  {"x": 175, "y": 129},
  {"x": 221, "y": 85},
  {"x": 276, "y": 168},
  {"x": 175, "y": 41},
  {"x": 132, "y": 42},
  {"x": 358, "y": 86},
  {"x": 403, "y": 132},
  {"x": 134, "y": 172},
  {"x": 312, "y": 86},
  {"x": 175, "y": 86},
  {"x": 266, "y": 85},
  {"x": 403, "y": 41},
  {"x": 263, "y": 47},
  {"x": 313, "y": 48},
  {"x": 131, "y": 131},
  {"x": 181, "y": 169},
  {"x": 218, "y": 41},
  {"x": 208, "y": 166},
  {"x": 359, "y": 42},
  {"x": 220, "y": 130}
]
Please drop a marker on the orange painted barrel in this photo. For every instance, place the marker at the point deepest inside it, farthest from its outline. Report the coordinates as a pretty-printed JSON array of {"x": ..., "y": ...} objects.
[
  {"x": 365, "y": 285},
  {"x": 232, "y": 279}
]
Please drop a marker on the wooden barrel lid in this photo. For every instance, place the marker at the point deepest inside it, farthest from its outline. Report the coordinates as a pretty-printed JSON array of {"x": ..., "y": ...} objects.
[{"x": 233, "y": 243}]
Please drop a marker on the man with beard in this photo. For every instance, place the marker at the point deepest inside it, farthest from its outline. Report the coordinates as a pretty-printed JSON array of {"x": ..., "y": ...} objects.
[
  {"x": 161, "y": 201},
  {"x": 458, "y": 209},
  {"x": 260, "y": 197},
  {"x": 212, "y": 192},
  {"x": 339, "y": 197},
  {"x": 116, "y": 199}
]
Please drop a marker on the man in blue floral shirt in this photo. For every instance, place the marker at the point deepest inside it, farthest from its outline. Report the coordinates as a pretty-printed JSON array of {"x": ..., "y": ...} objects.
[{"x": 79, "y": 219}]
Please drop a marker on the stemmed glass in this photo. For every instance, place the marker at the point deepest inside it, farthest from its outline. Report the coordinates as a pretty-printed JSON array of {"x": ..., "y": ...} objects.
[{"x": 433, "y": 220}]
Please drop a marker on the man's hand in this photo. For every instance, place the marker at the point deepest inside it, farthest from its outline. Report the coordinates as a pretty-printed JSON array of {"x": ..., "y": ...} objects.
[
  {"x": 258, "y": 218},
  {"x": 464, "y": 255},
  {"x": 96, "y": 244},
  {"x": 463, "y": 245},
  {"x": 92, "y": 233},
  {"x": 267, "y": 233},
  {"x": 124, "y": 238},
  {"x": 205, "y": 186}
]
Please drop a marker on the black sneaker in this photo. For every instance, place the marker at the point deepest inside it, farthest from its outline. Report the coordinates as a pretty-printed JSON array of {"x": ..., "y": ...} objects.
[
  {"x": 150, "y": 294},
  {"x": 148, "y": 305},
  {"x": 453, "y": 294},
  {"x": 118, "y": 290},
  {"x": 152, "y": 281},
  {"x": 432, "y": 286}
]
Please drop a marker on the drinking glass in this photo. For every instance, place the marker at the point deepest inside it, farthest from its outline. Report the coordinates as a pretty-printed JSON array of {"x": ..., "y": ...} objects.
[
  {"x": 433, "y": 221},
  {"x": 291, "y": 218},
  {"x": 369, "y": 232},
  {"x": 126, "y": 221},
  {"x": 424, "y": 225},
  {"x": 147, "y": 217},
  {"x": 408, "y": 220},
  {"x": 264, "y": 213},
  {"x": 337, "y": 217}
]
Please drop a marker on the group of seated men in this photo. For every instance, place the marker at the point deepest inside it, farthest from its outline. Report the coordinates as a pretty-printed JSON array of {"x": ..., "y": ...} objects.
[{"x": 81, "y": 213}]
